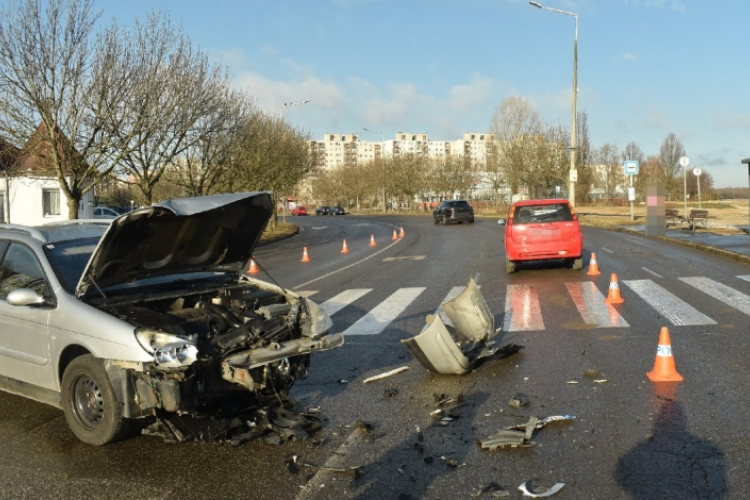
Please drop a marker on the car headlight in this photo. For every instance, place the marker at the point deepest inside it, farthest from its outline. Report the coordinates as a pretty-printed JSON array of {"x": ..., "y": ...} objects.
[
  {"x": 169, "y": 351},
  {"x": 321, "y": 322}
]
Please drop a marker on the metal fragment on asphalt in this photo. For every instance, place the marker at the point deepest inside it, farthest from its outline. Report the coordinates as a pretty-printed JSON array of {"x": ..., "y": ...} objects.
[
  {"x": 385, "y": 375},
  {"x": 548, "y": 493}
]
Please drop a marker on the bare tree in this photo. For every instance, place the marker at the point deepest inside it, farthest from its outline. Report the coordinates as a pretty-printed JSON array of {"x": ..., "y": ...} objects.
[
  {"x": 670, "y": 152},
  {"x": 214, "y": 142},
  {"x": 57, "y": 90},
  {"x": 516, "y": 127},
  {"x": 173, "y": 87},
  {"x": 610, "y": 171},
  {"x": 273, "y": 157}
]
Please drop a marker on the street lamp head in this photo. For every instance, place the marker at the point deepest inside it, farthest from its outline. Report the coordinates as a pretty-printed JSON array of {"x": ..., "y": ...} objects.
[{"x": 536, "y": 4}]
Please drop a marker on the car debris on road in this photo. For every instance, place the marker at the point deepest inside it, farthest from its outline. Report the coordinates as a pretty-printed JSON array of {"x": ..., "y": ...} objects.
[
  {"x": 526, "y": 488},
  {"x": 519, "y": 436},
  {"x": 456, "y": 348},
  {"x": 385, "y": 375}
]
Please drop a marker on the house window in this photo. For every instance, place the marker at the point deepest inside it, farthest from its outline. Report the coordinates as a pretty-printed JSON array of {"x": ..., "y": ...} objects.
[{"x": 51, "y": 201}]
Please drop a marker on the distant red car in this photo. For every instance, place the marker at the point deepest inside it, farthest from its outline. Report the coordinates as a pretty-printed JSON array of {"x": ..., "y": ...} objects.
[
  {"x": 542, "y": 230},
  {"x": 299, "y": 210}
]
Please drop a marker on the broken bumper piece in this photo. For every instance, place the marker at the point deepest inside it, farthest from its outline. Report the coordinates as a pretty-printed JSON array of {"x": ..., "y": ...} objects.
[
  {"x": 455, "y": 346},
  {"x": 237, "y": 367}
]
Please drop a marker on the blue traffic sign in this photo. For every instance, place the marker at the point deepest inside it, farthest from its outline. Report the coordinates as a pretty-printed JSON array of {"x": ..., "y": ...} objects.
[{"x": 631, "y": 167}]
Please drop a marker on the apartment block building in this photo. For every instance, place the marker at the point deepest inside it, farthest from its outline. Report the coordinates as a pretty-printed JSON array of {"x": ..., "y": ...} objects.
[{"x": 347, "y": 150}]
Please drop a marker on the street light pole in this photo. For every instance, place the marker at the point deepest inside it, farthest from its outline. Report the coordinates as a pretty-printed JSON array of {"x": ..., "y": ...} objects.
[
  {"x": 382, "y": 155},
  {"x": 573, "y": 147},
  {"x": 290, "y": 104}
]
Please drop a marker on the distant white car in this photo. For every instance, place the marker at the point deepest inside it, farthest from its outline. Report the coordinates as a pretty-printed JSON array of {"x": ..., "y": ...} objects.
[{"x": 105, "y": 213}]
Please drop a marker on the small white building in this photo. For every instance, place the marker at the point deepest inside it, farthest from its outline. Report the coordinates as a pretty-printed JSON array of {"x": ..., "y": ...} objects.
[{"x": 36, "y": 200}]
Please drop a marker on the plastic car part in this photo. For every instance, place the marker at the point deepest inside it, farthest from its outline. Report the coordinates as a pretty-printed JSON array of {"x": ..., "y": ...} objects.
[
  {"x": 526, "y": 487},
  {"x": 455, "y": 349}
]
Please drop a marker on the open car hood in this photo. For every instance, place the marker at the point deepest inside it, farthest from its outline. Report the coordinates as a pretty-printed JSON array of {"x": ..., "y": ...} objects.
[{"x": 208, "y": 233}]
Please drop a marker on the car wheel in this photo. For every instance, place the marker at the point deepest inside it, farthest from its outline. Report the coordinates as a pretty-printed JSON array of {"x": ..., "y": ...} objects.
[
  {"x": 471, "y": 221},
  {"x": 89, "y": 403},
  {"x": 578, "y": 263},
  {"x": 510, "y": 266},
  {"x": 445, "y": 220},
  {"x": 436, "y": 220}
]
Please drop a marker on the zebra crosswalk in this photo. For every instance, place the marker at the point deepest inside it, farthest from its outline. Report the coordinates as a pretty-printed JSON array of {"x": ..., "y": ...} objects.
[{"x": 523, "y": 311}]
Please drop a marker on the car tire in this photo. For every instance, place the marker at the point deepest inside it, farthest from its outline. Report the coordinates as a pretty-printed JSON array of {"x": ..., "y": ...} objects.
[
  {"x": 89, "y": 402},
  {"x": 510, "y": 266},
  {"x": 436, "y": 220},
  {"x": 578, "y": 263},
  {"x": 445, "y": 220},
  {"x": 471, "y": 221}
]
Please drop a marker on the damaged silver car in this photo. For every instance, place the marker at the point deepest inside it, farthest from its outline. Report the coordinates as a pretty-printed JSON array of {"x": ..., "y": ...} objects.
[
  {"x": 454, "y": 345},
  {"x": 151, "y": 315}
]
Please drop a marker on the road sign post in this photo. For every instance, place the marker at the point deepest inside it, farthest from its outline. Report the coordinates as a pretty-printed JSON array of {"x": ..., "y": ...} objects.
[
  {"x": 631, "y": 169},
  {"x": 684, "y": 162},
  {"x": 697, "y": 172}
]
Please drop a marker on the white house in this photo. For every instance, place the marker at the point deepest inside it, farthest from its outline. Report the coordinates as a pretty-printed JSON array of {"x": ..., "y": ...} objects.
[{"x": 35, "y": 200}]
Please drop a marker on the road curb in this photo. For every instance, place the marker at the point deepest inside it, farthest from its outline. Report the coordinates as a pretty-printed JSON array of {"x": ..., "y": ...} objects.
[{"x": 727, "y": 254}]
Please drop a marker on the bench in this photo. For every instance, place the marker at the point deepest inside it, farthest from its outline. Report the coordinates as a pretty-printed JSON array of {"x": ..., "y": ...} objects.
[
  {"x": 697, "y": 216},
  {"x": 673, "y": 216}
]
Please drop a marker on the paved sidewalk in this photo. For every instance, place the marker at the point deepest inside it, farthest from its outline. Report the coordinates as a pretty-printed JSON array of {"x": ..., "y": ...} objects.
[{"x": 735, "y": 246}]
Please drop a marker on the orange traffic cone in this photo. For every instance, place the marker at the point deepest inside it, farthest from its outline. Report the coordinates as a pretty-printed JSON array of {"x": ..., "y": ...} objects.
[
  {"x": 402, "y": 233},
  {"x": 372, "y": 240},
  {"x": 664, "y": 367},
  {"x": 614, "y": 296},
  {"x": 345, "y": 249},
  {"x": 253, "y": 267},
  {"x": 593, "y": 266},
  {"x": 395, "y": 235},
  {"x": 305, "y": 257}
]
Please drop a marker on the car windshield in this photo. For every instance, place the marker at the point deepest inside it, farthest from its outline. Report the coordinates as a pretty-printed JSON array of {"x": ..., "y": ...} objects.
[
  {"x": 555, "y": 212},
  {"x": 457, "y": 204},
  {"x": 69, "y": 259}
]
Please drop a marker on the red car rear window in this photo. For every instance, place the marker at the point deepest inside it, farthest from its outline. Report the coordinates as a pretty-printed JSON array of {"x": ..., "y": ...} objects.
[{"x": 556, "y": 212}]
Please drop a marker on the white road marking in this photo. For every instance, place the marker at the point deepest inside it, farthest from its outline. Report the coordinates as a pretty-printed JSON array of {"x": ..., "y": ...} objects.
[
  {"x": 667, "y": 304},
  {"x": 607, "y": 250},
  {"x": 341, "y": 458},
  {"x": 522, "y": 311},
  {"x": 652, "y": 272},
  {"x": 745, "y": 277},
  {"x": 405, "y": 257},
  {"x": 719, "y": 291},
  {"x": 340, "y": 301},
  {"x": 346, "y": 267},
  {"x": 384, "y": 313},
  {"x": 590, "y": 303}
]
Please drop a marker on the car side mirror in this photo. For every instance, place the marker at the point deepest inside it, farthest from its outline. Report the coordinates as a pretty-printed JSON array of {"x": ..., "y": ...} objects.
[
  {"x": 24, "y": 297},
  {"x": 502, "y": 222}
]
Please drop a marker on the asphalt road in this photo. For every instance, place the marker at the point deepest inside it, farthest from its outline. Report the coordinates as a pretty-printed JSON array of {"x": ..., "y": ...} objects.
[{"x": 631, "y": 438}]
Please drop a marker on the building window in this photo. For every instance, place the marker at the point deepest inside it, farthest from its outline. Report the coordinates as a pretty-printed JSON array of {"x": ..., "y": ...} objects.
[{"x": 51, "y": 202}]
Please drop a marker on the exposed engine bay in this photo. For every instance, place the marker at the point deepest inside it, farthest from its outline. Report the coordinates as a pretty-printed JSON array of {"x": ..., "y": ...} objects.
[{"x": 221, "y": 354}]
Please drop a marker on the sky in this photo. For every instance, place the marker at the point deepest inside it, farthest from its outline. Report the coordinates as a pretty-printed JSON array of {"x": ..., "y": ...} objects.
[{"x": 646, "y": 68}]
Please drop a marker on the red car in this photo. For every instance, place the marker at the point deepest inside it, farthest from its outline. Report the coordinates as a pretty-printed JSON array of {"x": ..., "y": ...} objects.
[
  {"x": 542, "y": 230},
  {"x": 299, "y": 210}
]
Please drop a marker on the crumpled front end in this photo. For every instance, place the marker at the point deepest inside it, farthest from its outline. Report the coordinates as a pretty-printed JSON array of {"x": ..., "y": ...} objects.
[
  {"x": 219, "y": 353},
  {"x": 453, "y": 346}
]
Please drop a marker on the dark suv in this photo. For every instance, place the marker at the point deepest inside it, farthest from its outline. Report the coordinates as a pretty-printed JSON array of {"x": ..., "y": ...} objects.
[
  {"x": 323, "y": 210},
  {"x": 454, "y": 210}
]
